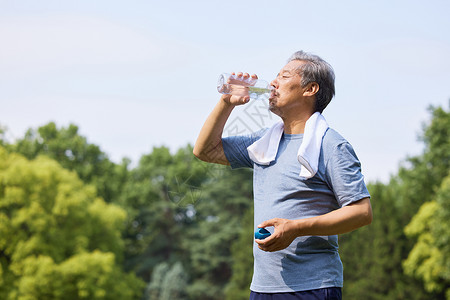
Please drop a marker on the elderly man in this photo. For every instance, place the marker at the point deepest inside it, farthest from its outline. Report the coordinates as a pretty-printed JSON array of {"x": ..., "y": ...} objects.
[{"x": 308, "y": 186}]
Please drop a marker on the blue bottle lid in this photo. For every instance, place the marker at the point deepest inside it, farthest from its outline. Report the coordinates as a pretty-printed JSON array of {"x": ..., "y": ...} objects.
[{"x": 261, "y": 233}]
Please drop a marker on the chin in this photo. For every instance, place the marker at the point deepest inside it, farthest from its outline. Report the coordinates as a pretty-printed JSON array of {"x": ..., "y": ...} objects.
[{"x": 274, "y": 109}]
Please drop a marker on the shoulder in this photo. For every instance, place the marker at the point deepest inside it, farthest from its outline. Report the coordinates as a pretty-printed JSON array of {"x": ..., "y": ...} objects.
[
  {"x": 332, "y": 139},
  {"x": 249, "y": 137},
  {"x": 333, "y": 142},
  {"x": 235, "y": 148},
  {"x": 241, "y": 142}
]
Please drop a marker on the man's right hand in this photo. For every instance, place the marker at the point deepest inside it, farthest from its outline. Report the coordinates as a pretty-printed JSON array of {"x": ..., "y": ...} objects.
[{"x": 243, "y": 79}]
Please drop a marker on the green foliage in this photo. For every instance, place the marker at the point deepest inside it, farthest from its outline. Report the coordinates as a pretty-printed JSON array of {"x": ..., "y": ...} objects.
[
  {"x": 429, "y": 259},
  {"x": 238, "y": 287},
  {"x": 2, "y": 135},
  {"x": 174, "y": 283},
  {"x": 83, "y": 276},
  {"x": 186, "y": 227},
  {"x": 153, "y": 290},
  {"x": 373, "y": 255},
  {"x": 219, "y": 212},
  {"x": 57, "y": 239},
  {"x": 437, "y": 140},
  {"x": 159, "y": 197},
  {"x": 167, "y": 283},
  {"x": 73, "y": 152},
  {"x": 184, "y": 210}
]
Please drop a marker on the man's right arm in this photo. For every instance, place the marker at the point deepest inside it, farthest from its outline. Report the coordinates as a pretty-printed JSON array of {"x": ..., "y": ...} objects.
[{"x": 208, "y": 146}]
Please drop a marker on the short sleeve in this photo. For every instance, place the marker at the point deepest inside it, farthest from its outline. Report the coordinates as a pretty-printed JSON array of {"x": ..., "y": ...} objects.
[
  {"x": 235, "y": 149},
  {"x": 344, "y": 175}
]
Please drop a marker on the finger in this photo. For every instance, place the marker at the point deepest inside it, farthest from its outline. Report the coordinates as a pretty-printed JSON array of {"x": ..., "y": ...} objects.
[
  {"x": 262, "y": 248},
  {"x": 267, "y": 223},
  {"x": 254, "y": 76},
  {"x": 267, "y": 242},
  {"x": 237, "y": 100},
  {"x": 267, "y": 249},
  {"x": 250, "y": 79},
  {"x": 242, "y": 79},
  {"x": 261, "y": 243}
]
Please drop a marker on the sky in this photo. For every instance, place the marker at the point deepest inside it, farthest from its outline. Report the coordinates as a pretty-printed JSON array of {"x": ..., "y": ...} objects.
[{"x": 133, "y": 75}]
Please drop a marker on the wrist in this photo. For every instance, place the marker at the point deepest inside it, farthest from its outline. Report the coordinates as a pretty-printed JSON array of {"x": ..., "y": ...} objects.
[
  {"x": 300, "y": 227},
  {"x": 225, "y": 99}
]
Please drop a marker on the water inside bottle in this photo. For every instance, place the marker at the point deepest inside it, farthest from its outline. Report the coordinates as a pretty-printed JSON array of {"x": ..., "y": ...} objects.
[{"x": 240, "y": 90}]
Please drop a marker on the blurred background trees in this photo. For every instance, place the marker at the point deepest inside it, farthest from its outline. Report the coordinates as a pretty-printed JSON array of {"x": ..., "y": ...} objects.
[
  {"x": 374, "y": 256},
  {"x": 75, "y": 225},
  {"x": 58, "y": 240}
]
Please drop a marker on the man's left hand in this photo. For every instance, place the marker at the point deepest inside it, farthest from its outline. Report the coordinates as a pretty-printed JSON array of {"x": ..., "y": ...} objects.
[{"x": 282, "y": 237}]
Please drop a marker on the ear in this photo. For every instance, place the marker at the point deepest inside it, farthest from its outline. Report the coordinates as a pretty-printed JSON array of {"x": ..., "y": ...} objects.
[{"x": 311, "y": 89}]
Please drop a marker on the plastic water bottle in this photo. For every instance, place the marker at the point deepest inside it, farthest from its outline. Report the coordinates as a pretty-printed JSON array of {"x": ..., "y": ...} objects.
[{"x": 233, "y": 85}]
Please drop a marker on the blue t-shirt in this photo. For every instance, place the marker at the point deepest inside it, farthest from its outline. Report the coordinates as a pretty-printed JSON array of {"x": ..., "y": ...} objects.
[{"x": 310, "y": 262}]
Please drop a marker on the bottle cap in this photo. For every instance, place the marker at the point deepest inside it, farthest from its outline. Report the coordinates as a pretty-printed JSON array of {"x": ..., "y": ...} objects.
[{"x": 261, "y": 233}]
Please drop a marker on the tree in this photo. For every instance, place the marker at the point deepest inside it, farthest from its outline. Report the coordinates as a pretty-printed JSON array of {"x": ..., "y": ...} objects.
[
  {"x": 58, "y": 240},
  {"x": 73, "y": 152},
  {"x": 429, "y": 259},
  {"x": 238, "y": 288},
  {"x": 2, "y": 135},
  {"x": 167, "y": 283},
  {"x": 153, "y": 290},
  {"x": 225, "y": 199},
  {"x": 160, "y": 197},
  {"x": 373, "y": 256},
  {"x": 174, "y": 283}
]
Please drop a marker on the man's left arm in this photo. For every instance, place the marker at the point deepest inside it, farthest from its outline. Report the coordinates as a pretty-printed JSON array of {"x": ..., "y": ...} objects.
[{"x": 342, "y": 220}]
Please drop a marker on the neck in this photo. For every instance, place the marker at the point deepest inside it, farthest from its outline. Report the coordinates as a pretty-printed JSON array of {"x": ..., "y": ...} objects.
[{"x": 296, "y": 125}]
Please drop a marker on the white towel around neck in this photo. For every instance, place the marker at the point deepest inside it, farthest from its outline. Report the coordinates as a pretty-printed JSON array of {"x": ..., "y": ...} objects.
[{"x": 264, "y": 150}]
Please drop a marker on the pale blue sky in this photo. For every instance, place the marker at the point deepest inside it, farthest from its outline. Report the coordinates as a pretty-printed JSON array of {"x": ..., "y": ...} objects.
[{"x": 138, "y": 74}]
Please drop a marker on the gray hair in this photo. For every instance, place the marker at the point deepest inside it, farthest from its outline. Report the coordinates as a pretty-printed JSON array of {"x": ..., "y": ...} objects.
[{"x": 315, "y": 69}]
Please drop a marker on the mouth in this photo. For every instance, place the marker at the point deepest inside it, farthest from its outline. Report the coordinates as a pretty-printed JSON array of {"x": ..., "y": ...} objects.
[{"x": 273, "y": 94}]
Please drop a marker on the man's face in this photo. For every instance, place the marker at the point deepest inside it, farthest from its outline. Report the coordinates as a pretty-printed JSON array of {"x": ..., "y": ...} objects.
[{"x": 288, "y": 92}]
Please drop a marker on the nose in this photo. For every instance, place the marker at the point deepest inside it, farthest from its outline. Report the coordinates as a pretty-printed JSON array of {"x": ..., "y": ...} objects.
[{"x": 274, "y": 83}]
